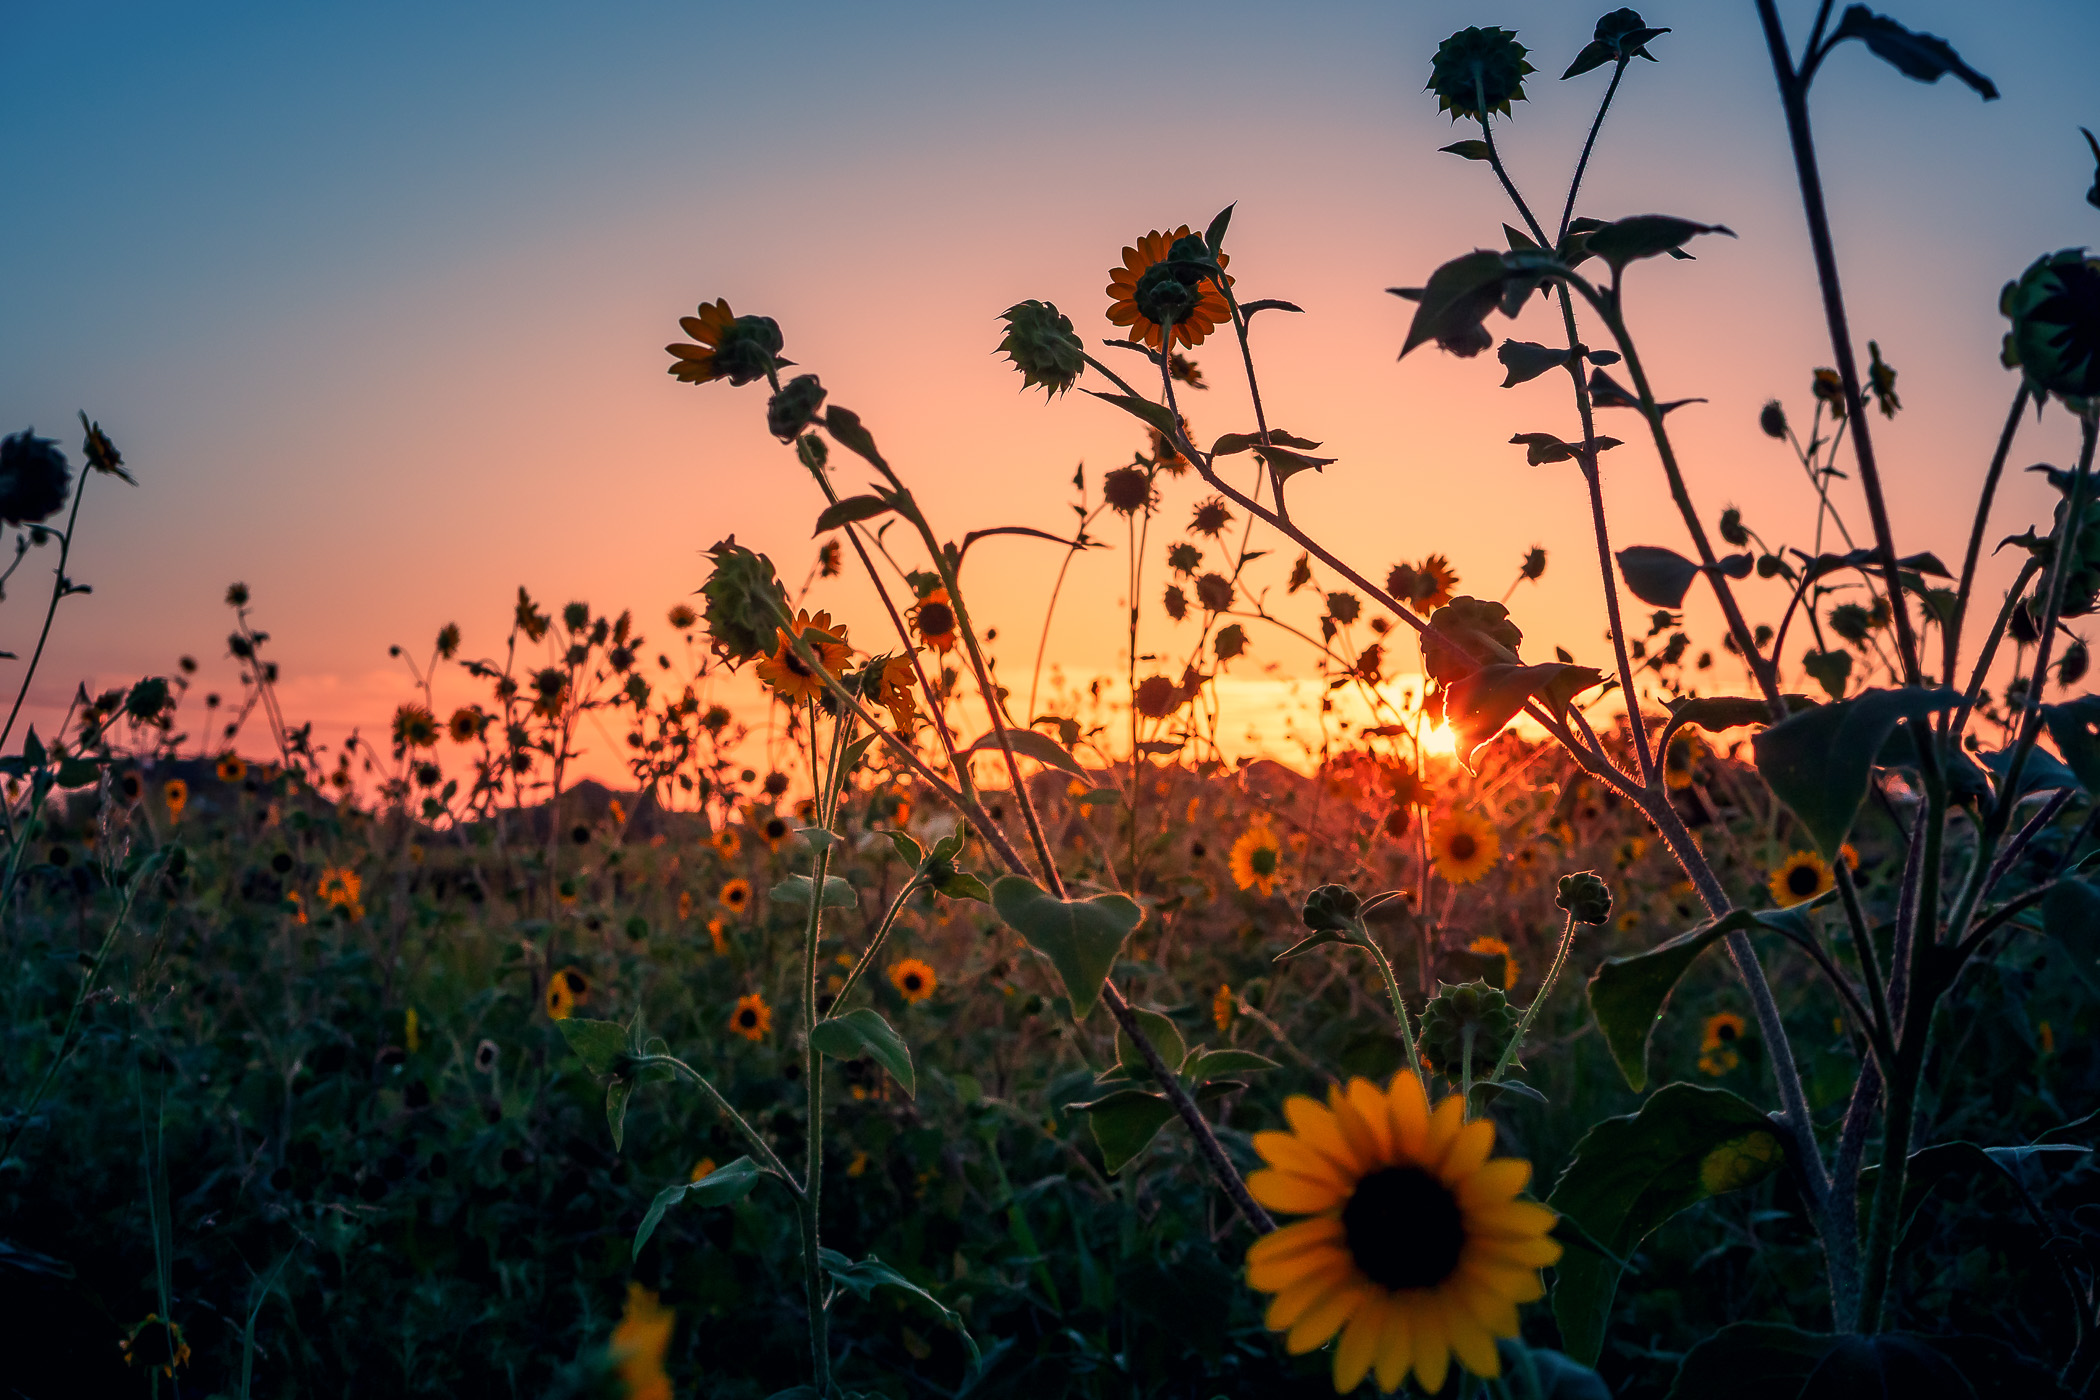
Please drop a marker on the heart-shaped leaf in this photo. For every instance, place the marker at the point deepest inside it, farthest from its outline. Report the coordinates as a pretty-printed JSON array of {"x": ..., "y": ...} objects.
[
  {"x": 1526, "y": 360},
  {"x": 844, "y": 425},
  {"x": 1081, "y": 937},
  {"x": 1627, "y": 994},
  {"x": 1655, "y": 575},
  {"x": 597, "y": 1043},
  {"x": 794, "y": 890},
  {"x": 1819, "y": 762},
  {"x": 851, "y": 509},
  {"x": 1164, "y": 1035},
  {"x": 1458, "y": 298},
  {"x": 1478, "y": 705},
  {"x": 1125, "y": 1122},
  {"x": 845, "y": 1037}
]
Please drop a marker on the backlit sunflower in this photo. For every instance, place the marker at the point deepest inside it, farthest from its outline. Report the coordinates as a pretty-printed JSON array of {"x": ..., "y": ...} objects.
[
  {"x": 717, "y": 933},
  {"x": 1222, "y": 1006},
  {"x": 1438, "y": 579},
  {"x": 465, "y": 724},
  {"x": 772, "y": 828},
  {"x": 638, "y": 1345},
  {"x": 736, "y": 896},
  {"x": 1256, "y": 860},
  {"x": 1464, "y": 846},
  {"x": 1717, "y": 1052},
  {"x": 752, "y": 1018},
  {"x": 727, "y": 843},
  {"x": 732, "y": 347},
  {"x": 1681, "y": 761},
  {"x": 1418, "y": 1248},
  {"x": 232, "y": 768},
  {"x": 934, "y": 620},
  {"x": 897, "y": 691},
  {"x": 414, "y": 728},
  {"x": 1804, "y": 876},
  {"x": 913, "y": 979},
  {"x": 788, "y": 674},
  {"x": 176, "y": 793},
  {"x": 1492, "y": 947},
  {"x": 1145, "y": 302},
  {"x": 341, "y": 888}
]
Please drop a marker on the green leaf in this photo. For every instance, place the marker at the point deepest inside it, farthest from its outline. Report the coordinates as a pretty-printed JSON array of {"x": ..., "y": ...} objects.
[
  {"x": 2042, "y": 772},
  {"x": 1478, "y": 705},
  {"x": 1657, "y": 576},
  {"x": 74, "y": 772},
  {"x": 1715, "y": 713},
  {"x": 1205, "y": 1064},
  {"x": 2071, "y": 915},
  {"x": 908, "y": 850},
  {"x": 1831, "y": 669},
  {"x": 1627, "y": 995},
  {"x": 1156, "y": 415},
  {"x": 1234, "y": 443},
  {"x": 1630, "y": 1174},
  {"x": 844, "y": 425},
  {"x": 1526, "y": 361},
  {"x": 1926, "y": 57},
  {"x": 844, "y": 1037},
  {"x": 1081, "y": 937},
  {"x": 616, "y": 1095},
  {"x": 1542, "y": 448},
  {"x": 851, "y": 509},
  {"x": 1284, "y": 463},
  {"x": 2075, "y": 726},
  {"x": 869, "y": 1274},
  {"x": 1027, "y": 743},
  {"x": 1644, "y": 236},
  {"x": 1164, "y": 1035},
  {"x": 1820, "y": 761},
  {"x": 599, "y": 1044},
  {"x": 963, "y": 885},
  {"x": 1095, "y": 797},
  {"x": 820, "y": 839},
  {"x": 1458, "y": 298},
  {"x": 1214, "y": 236},
  {"x": 838, "y": 894},
  {"x": 1125, "y": 1122},
  {"x": 723, "y": 1186},
  {"x": 1467, "y": 150}
]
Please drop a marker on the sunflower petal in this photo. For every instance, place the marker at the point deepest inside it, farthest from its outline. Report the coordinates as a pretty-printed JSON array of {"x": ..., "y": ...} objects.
[
  {"x": 1513, "y": 1220},
  {"x": 1529, "y": 1252},
  {"x": 1359, "y": 1344},
  {"x": 1410, "y": 1108},
  {"x": 1284, "y": 1150},
  {"x": 1290, "y": 1193},
  {"x": 1362, "y": 1139},
  {"x": 1444, "y": 1124},
  {"x": 1377, "y": 1116},
  {"x": 1495, "y": 1182},
  {"x": 1325, "y": 1317},
  {"x": 1326, "y": 1263},
  {"x": 1431, "y": 1346},
  {"x": 1317, "y": 1129},
  {"x": 1517, "y": 1284},
  {"x": 1473, "y": 1343},
  {"x": 1396, "y": 1344},
  {"x": 1289, "y": 1305},
  {"x": 1469, "y": 1151}
]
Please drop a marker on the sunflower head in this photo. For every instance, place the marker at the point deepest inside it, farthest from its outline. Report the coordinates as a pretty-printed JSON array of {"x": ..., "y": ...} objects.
[
  {"x": 1222, "y": 1007},
  {"x": 559, "y": 1000},
  {"x": 2055, "y": 337},
  {"x": 1477, "y": 71},
  {"x": 1470, "y": 1013},
  {"x": 736, "y": 896},
  {"x": 231, "y": 768},
  {"x": 1485, "y": 947},
  {"x": 744, "y": 602},
  {"x": 934, "y": 620},
  {"x": 1802, "y": 877},
  {"x": 1681, "y": 760},
  {"x": 732, "y": 347},
  {"x": 1166, "y": 290},
  {"x": 1464, "y": 846},
  {"x": 1417, "y": 1247},
  {"x": 1211, "y": 517},
  {"x": 914, "y": 980},
  {"x": 1040, "y": 342},
  {"x": 752, "y": 1018},
  {"x": 33, "y": 478},
  {"x": 1257, "y": 860}
]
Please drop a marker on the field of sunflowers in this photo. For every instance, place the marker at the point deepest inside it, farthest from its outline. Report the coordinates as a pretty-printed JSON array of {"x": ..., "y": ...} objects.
[{"x": 1713, "y": 1021}]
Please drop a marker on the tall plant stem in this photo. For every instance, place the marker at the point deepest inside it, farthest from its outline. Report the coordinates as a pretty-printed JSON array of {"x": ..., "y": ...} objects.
[
  {"x": 60, "y": 586},
  {"x": 1952, "y": 638},
  {"x": 1793, "y": 98}
]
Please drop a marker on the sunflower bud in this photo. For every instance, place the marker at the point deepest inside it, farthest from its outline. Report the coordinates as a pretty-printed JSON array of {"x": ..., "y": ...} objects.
[
  {"x": 101, "y": 453},
  {"x": 1163, "y": 297},
  {"x": 1477, "y": 71},
  {"x": 33, "y": 478},
  {"x": 792, "y": 409},
  {"x": 1042, "y": 346},
  {"x": 1472, "y": 1016},
  {"x": 745, "y": 603},
  {"x": 2055, "y": 338},
  {"x": 1585, "y": 896},
  {"x": 2072, "y": 668},
  {"x": 1772, "y": 418},
  {"x": 1128, "y": 490},
  {"x": 1331, "y": 909},
  {"x": 1732, "y": 528}
]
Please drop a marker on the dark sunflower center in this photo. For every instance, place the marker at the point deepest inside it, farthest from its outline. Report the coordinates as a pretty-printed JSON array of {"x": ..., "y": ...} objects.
[
  {"x": 912, "y": 982},
  {"x": 747, "y": 1018},
  {"x": 1404, "y": 1228},
  {"x": 1725, "y": 1032},
  {"x": 776, "y": 829},
  {"x": 1463, "y": 846},
  {"x": 1163, "y": 298},
  {"x": 1802, "y": 880},
  {"x": 794, "y": 663},
  {"x": 936, "y": 619},
  {"x": 1264, "y": 860}
]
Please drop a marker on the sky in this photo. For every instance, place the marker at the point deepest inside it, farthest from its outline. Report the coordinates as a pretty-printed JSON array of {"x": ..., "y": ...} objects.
[{"x": 374, "y": 298}]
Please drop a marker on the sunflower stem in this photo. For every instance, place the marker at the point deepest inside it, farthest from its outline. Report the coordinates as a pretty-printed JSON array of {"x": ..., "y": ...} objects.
[
  {"x": 1365, "y": 941},
  {"x": 1516, "y": 1041},
  {"x": 882, "y": 933}
]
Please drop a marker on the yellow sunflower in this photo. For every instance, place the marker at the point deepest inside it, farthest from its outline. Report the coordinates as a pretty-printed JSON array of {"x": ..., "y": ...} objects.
[
  {"x": 1490, "y": 947},
  {"x": 1256, "y": 860},
  {"x": 790, "y": 677},
  {"x": 716, "y": 932},
  {"x": 1129, "y": 290},
  {"x": 727, "y": 843},
  {"x": 913, "y": 979},
  {"x": 1464, "y": 846},
  {"x": 695, "y": 364},
  {"x": 176, "y": 793},
  {"x": 934, "y": 620},
  {"x": 341, "y": 888},
  {"x": 638, "y": 1345},
  {"x": 752, "y": 1018},
  {"x": 1804, "y": 876},
  {"x": 465, "y": 724},
  {"x": 736, "y": 896},
  {"x": 899, "y": 693},
  {"x": 1418, "y": 1248},
  {"x": 232, "y": 768},
  {"x": 1717, "y": 1052},
  {"x": 559, "y": 1000},
  {"x": 1222, "y": 1006},
  {"x": 1681, "y": 762}
]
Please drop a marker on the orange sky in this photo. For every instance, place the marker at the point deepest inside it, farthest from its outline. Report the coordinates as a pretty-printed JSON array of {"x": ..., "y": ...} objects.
[{"x": 386, "y": 348}]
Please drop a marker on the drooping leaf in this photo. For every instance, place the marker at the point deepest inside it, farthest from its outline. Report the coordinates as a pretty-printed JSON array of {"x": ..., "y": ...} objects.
[
  {"x": 1820, "y": 761},
  {"x": 1125, "y": 1122},
  {"x": 1467, "y": 150},
  {"x": 1479, "y": 705},
  {"x": 850, "y": 509},
  {"x": 725, "y": 1185},
  {"x": 1285, "y": 463},
  {"x": 1926, "y": 57},
  {"x": 1627, "y": 995},
  {"x": 1655, "y": 575},
  {"x": 1233, "y": 443},
  {"x": 2075, "y": 725},
  {"x": 1027, "y": 743},
  {"x": 1081, "y": 937},
  {"x": 2042, "y": 772},
  {"x": 1542, "y": 448},
  {"x": 597, "y": 1043},
  {"x": 866, "y": 1275},
  {"x": 794, "y": 890},
  {"x": 1155, "y": 415},
  {"x": 845, "y": 426},
  {"x": 1630, "y": 1174},
  {"x": 1644, "y": 236},
  {"x": 1607, "y": 392},
  {"x": 845, "y": 1037},
  {"x": 1716, "y": 713},
  {"x": 1203, "y": 1064},
  {"x": 1526, "y": 360},
  {"x": 1458, "y": 297}
]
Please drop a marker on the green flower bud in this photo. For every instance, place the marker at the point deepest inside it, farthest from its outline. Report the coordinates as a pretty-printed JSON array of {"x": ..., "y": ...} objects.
[
  {"x": 1772, "y": 418},
  {"x": 1585, "y": 896},
  {"x": 1331, "y": 909},
  {"x": 1453, "y": 1012},
  {"x": 745, "y": 603},
  {"x": 1042, "y": 346},
  {"x": 1477, "y": 71},
  {"x": 2055, "y": 338},
  {"x": 794, "y": 407}
]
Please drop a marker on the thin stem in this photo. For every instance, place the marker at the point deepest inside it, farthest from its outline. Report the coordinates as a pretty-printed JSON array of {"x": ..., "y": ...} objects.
[
  {"x": 60, "y": 586},
  {"x": 1952, "y": 631},
  {"x": 1365, "y": 941},
  {"x": 1560, "y": 959},
  {"x": 882, "y": 933},
  {"x": 758, "y": 1145}
]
